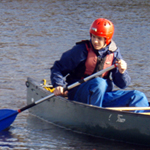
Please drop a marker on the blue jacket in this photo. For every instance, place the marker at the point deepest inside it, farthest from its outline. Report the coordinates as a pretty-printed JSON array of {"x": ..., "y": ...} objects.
[{"x": 73, "y": 57}]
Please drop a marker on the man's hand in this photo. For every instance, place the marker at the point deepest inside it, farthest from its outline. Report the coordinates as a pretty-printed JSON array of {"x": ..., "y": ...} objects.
[
  {"x": 59, "y": 90},
  {"x": 122, "y": 66}
]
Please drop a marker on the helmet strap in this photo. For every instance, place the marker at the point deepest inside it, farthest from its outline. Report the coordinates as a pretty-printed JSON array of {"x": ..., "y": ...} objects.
[{"x": 104, "y": 45}]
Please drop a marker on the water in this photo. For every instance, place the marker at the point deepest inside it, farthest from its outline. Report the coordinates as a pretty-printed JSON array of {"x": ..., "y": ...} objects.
[{"x": 34, "y": 33}]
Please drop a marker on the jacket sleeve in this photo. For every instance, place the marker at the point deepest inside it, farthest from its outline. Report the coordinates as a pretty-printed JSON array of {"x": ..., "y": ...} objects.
[
  {"x": 120, "y": 80},
  {"x": 68, "y": 62}
]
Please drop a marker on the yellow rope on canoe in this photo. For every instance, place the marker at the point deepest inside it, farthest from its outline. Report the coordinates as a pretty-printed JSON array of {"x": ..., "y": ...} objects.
[{"x": 48, "y": 87}]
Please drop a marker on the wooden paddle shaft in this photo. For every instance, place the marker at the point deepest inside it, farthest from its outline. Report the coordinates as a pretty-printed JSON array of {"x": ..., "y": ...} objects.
[
  {"x": 91, "y": 76},
  {"x": 36, "y": 102},
  {"x": 79, "y": 82}
]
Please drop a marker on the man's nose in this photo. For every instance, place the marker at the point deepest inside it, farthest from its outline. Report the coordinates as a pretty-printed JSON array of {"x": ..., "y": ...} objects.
[{"x": 96, "y": 40}]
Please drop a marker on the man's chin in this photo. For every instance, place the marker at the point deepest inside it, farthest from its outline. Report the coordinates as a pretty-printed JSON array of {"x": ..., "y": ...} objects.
[{"x": 97, "y": 47}]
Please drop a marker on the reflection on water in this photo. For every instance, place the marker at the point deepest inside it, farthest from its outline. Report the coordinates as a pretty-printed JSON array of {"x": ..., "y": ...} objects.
[{"x": 35, "y": 33}]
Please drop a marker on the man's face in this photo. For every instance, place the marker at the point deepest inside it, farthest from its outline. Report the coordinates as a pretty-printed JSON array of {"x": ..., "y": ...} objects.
[{"x": 98, "y": 42}]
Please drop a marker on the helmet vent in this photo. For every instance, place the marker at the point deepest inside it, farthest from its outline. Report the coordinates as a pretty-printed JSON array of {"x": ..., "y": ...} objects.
[{"x": 107, "y": 24}]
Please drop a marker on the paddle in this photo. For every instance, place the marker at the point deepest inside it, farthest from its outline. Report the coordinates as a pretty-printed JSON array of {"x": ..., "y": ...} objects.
[{"x": 7, "y": 116}]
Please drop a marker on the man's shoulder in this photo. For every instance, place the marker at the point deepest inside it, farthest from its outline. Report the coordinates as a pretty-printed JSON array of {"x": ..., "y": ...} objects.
[
  {"x": 83, "y": 42},
  {"x": 76, "y": 50},
  {"x": 112, "y": 46},
  {"x": 79, "y": 47}
]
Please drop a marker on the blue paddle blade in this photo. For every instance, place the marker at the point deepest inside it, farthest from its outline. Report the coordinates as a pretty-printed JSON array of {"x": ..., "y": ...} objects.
[{"x": 7, "y": 116}]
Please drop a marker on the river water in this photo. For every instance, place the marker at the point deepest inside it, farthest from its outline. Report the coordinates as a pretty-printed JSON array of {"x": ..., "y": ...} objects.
[{"x": 34, "y": 33}]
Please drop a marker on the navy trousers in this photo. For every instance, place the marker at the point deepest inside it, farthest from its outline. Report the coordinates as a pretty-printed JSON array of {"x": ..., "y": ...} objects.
[{"x": 95, "y": 92}]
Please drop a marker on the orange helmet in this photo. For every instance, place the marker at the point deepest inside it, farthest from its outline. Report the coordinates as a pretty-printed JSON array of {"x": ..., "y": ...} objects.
[{"x": 104, "y": 28}]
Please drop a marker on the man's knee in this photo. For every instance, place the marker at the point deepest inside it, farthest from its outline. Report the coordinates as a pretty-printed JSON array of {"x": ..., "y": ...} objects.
[
  {"x": 141, "y": 97},
  {"x": 99, "y": 81},
  {"x": 99, "y": 84}
]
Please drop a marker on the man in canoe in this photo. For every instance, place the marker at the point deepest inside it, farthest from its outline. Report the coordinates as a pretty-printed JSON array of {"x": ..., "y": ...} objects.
[{"x": 88, "y": 57}]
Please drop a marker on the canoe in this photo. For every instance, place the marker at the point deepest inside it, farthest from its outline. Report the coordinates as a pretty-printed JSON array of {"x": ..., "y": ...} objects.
[{"x": 88, "y": 119}]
